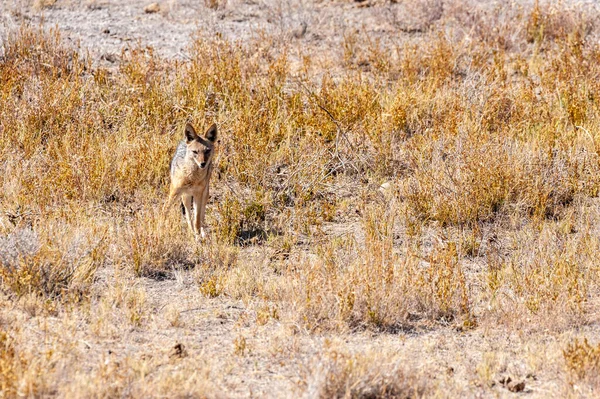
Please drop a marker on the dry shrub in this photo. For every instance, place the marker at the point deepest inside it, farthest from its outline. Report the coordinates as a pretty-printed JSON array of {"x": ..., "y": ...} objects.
[
  {"x": 342, "y": 374},
  {"x": 21, "y": 372},
  {"x": 219, "y": 261},
  {"x": 365, "y": 283},
  {"x": 158, "y": 246},
  {"x": 552, "y": 281},
  {"x": 147, "y": 375},
  {"x": 549, "y": 22},
  {"x": 11, "y": 365},
  {"x": 582, "y": 362},
  {"x": 442, "y": 289},
  {"x": 215, "y": 4},
  {"x": 466, "y": 180},
  {"x": 62, "y": 265},
  {"x": 42, "y": 4},
  {"x": 241, "y": 219},
  {"x": 372, "y": 286},
  {"x": 228, "y": 227},
  {"x": 75, "y": 135}
]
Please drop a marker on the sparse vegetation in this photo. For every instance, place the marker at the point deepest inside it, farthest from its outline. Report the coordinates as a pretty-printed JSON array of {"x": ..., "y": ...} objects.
[
  {"x": 487, "y": 137},
  {"x": 370, "y": 375},
  {"x": 581, "y": 359}
]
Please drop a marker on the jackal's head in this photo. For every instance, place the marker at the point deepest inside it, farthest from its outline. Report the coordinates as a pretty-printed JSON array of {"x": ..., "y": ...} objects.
[{"x": 200, "y": 149}]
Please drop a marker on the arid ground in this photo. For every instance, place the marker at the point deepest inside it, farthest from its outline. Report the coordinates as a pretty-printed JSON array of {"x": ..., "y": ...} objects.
[{"x": 405, "y": 201}]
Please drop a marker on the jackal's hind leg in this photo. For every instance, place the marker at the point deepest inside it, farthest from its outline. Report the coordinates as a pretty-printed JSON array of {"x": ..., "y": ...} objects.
[
  {"x": 187, "y": 201},
  {"x": 201, "y": 223}
]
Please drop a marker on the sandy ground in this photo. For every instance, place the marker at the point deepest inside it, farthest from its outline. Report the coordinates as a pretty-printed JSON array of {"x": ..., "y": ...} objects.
[{"x": 106, "y": 27}]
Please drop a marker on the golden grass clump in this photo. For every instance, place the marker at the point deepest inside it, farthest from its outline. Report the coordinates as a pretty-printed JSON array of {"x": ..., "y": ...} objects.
[
  {"x": 582, "y": 362},
  {"x": 340, "y": 374},
  {"x": 63, "y": 266},
  {"x": 372, "y": 286}
]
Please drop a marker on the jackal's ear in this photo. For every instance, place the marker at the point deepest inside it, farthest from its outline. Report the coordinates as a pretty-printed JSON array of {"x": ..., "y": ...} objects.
[
  {"x": 190, "y": 133},
  {"x": 211, "y": 133}
]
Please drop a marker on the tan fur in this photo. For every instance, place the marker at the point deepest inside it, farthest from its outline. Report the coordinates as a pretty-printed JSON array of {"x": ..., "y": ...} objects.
[{"x": 191, "y": 170}]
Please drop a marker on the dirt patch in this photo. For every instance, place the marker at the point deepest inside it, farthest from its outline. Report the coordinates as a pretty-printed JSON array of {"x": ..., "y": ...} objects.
[{"x": 105, "y": 28}]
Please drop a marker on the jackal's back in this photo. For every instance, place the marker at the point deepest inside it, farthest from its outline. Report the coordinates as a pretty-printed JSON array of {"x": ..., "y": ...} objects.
[{"x": 179, "y": 157}]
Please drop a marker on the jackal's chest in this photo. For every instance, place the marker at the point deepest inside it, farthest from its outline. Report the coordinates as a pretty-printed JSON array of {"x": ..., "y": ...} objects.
[{"x": 191, "y": 178}]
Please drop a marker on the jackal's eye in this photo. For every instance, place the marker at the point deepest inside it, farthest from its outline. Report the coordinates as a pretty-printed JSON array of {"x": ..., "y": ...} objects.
[
  {"x": 195, "y": 152},
  {"x": 206, "y": 152}
]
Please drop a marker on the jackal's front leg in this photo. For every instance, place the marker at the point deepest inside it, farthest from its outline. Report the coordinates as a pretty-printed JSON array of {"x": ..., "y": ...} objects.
[{"x": 200, "y": 208}]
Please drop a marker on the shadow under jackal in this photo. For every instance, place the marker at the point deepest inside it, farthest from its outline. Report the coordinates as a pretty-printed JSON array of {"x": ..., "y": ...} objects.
[{"x": 191, "y": 169}]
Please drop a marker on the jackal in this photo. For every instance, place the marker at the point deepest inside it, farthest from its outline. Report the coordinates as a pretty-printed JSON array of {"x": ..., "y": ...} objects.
[{"x": 191, "y": 169}]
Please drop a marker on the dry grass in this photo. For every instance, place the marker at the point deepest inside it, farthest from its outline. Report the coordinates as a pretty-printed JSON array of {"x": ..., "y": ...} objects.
[
  {"x": 488, "y": 136},
  {"x": 368, "y": 375}
]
